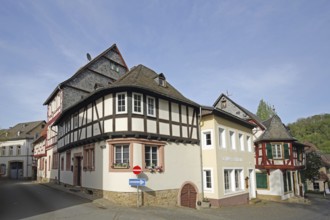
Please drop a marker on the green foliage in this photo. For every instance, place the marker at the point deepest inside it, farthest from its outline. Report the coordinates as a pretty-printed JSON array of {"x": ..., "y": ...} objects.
[
  {"x": 265, "y": 111},
  {"x": 314, "y": 129},
  {"x": 313, "y": 164}
]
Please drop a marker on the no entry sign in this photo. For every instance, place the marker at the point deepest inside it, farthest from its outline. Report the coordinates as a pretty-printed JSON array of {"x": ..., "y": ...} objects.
[{"x": 137, "y": 170}]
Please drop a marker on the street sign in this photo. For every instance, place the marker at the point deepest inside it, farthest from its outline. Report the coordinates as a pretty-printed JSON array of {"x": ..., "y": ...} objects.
[
  {"x": 137, "y": 182},
  {"x": 137, "y": 170}
]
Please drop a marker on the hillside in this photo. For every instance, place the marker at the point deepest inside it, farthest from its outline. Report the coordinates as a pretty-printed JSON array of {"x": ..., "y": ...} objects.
[{"x": 314, "y": 129}]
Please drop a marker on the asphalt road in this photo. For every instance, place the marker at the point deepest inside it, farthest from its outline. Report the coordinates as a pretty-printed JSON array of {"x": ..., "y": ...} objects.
[{"x": 28, "y": 200}]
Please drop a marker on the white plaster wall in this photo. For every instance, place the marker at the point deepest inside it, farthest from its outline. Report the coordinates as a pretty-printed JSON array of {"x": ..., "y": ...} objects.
[
  {"x": 164, "y": 128},
  {"x": 121, "y": 124},
  {"x": 151, "y": 126},
  {"x": 108, "y": 107},
  {"x": 163, "y": 109},
  {"x": 183, "y": 114},
  {"x": 175, "y": 112},
  {"x": 176, "y": 130},
  {"x": 108, "y": 125},
  {"x": 137, "y": 124},
  {"x": 181, "y": 161}
]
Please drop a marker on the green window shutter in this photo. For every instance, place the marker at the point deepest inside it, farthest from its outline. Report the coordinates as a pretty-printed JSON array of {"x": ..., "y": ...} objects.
[
  {"x": 286, "y": 151},
  {"x": 261, "y": 180},
  {"x": 269, "y": 151}
]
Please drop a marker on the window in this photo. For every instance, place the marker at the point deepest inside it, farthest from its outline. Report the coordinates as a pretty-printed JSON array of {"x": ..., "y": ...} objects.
[
  {"x": 238, "y": 179},
  {"x": 68, "y": 161},
  {"x": 262, "y": 182},
  {"x": 285, "y": 183},
  {"x": 233, "y": 180},
  {"x": 18, "y": 150},
  {"x": 137, "y": 103},
  {"x": 227, "y": 180},
  {"x": 241, "y": 141},
  {"x": 277, "y": 151},
  {"x": 207, "y": 175},
  {"x": 316, "y": 186},
  {"x": 248, "y": 140},
  {"x": 232, "y": 140},
  {"x": 222, "y": 138},
  {"x": 3, "y": 151},
  {"x": 89, "y": 158},
  {"x": 62, "y": 163},
  {"x": 121, "y": 156},
  {"x": 151, "y": 156},
  {"x": 207, "y": 139},
  {"x": 121, "y": 103},
  {"x": 151, "y": 106},
  {"x": 11, "y": 151},
  {"x": 55, "y": 161}
]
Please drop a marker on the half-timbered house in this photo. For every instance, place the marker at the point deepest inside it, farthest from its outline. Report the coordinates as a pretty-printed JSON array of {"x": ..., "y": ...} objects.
[
  {"x": 228, "y": 158},
  {"x": 279, "y": 160},
  {"x": 138, "y": 120},
  {"x": 98, "y": 72}
]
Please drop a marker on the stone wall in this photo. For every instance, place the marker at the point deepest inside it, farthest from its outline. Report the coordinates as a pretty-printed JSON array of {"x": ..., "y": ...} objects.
[{"x": 230, "y": 201}]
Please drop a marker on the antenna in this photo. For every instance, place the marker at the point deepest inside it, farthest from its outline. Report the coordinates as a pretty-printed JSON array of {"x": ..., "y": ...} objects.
[
  {"x": 227, "y": 93},
  {"x": 89, "y": 58}
]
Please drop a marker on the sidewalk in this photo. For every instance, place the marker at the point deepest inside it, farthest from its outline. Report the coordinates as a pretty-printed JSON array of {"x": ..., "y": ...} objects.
[{"x": 101, "y": 202}]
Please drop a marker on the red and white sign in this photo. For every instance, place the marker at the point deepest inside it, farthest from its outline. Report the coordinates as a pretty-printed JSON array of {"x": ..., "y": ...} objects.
[{"x": 137, "y": 170}]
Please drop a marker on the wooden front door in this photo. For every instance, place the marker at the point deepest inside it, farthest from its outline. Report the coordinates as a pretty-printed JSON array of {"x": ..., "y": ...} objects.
[
  {"x": 188, "y": 196},
  {"x": 77, "y": 171}
]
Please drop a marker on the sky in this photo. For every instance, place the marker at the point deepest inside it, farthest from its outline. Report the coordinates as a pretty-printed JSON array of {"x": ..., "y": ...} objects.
[{"x": 278, "y": 51}]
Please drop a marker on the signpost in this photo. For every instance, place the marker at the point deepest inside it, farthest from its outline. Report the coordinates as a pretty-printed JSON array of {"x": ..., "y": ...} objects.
[{"x": 137, "y": 182}]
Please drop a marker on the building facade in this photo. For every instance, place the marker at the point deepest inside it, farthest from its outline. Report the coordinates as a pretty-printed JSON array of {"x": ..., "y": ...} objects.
[
  {"x": 138, "y": 120},
  {"x": 228, "y": 158},
  {"x": 16, "y": 150}
]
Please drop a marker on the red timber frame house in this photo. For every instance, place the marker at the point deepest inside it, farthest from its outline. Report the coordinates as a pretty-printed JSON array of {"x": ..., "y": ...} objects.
[{"x": 279, "y": 160}]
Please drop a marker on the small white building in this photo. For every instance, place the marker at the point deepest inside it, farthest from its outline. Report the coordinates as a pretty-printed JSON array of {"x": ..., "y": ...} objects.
[
  {"x": 16, "y": 150},
  {"x": 228, "y": 158}
]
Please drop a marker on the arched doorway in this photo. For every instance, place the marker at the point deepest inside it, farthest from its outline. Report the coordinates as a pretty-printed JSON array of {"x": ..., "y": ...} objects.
[{"x": 188, "y": 196}]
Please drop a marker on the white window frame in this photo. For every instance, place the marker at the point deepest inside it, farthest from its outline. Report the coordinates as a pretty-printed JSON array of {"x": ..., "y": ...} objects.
[
  {"x": 241, "y": 141},
  {"x": 222, "y": 137},
  {"x": 206, "y": 188},
  {"x": 249, "y": 144},
  {"x": 232, "y": 139},
  {"x": 152, "y": 165},
  {"x": 153, "y": 106},
  {"x": 277, "y": 151},
  {"x": 133, "y": 103},
  {"x": 235, "y": 185},
  {"x": 121, "y": 159},
  {"x": 204, "y": 139},
  {"x": 125, "y": 104}
]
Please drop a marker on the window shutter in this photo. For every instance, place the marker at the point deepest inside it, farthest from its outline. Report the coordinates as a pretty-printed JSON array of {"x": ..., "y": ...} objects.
[
  {"x": 286, "y": 151},
  {"x": 261, "y": 180},
  {"x": 269, "y": 151}
]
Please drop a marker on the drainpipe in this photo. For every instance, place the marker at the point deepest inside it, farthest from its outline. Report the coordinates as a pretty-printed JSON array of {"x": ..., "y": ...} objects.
[{"x": 201, "y": 151}]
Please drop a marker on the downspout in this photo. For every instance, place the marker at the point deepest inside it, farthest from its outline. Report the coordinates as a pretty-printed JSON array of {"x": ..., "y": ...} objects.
[{"x": 201, "y": 151}]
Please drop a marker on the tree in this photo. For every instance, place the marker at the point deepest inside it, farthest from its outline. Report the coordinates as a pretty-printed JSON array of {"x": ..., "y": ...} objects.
[
  {"x": 265, "y": 111},
  {"x": 313, "y": 165}
]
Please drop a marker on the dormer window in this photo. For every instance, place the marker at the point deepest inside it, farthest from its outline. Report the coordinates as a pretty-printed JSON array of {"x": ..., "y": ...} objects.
[{"x": 161, "y": 80}]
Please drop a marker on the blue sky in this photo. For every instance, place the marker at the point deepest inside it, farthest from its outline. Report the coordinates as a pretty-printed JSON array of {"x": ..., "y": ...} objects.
[{"x": 278, "y": 51}]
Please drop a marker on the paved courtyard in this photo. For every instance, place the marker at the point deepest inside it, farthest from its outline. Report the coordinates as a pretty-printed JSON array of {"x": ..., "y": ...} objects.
[{"x": 28, "y": 200}]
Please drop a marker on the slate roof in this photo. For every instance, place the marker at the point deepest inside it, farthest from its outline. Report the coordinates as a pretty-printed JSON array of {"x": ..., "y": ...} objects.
[
  {"x": 252, "y": 116},
  {"x": 275, "y": 131},
  {"x": 20, "y": 131},
  {"x": 145, "y": 78},
  {"x": 139, "y": 77},
  {"x": 114, "y": 46}
]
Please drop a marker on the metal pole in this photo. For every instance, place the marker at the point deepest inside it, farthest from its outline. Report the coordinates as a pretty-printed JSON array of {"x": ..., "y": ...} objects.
[{"x": 137, "y": 196}]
